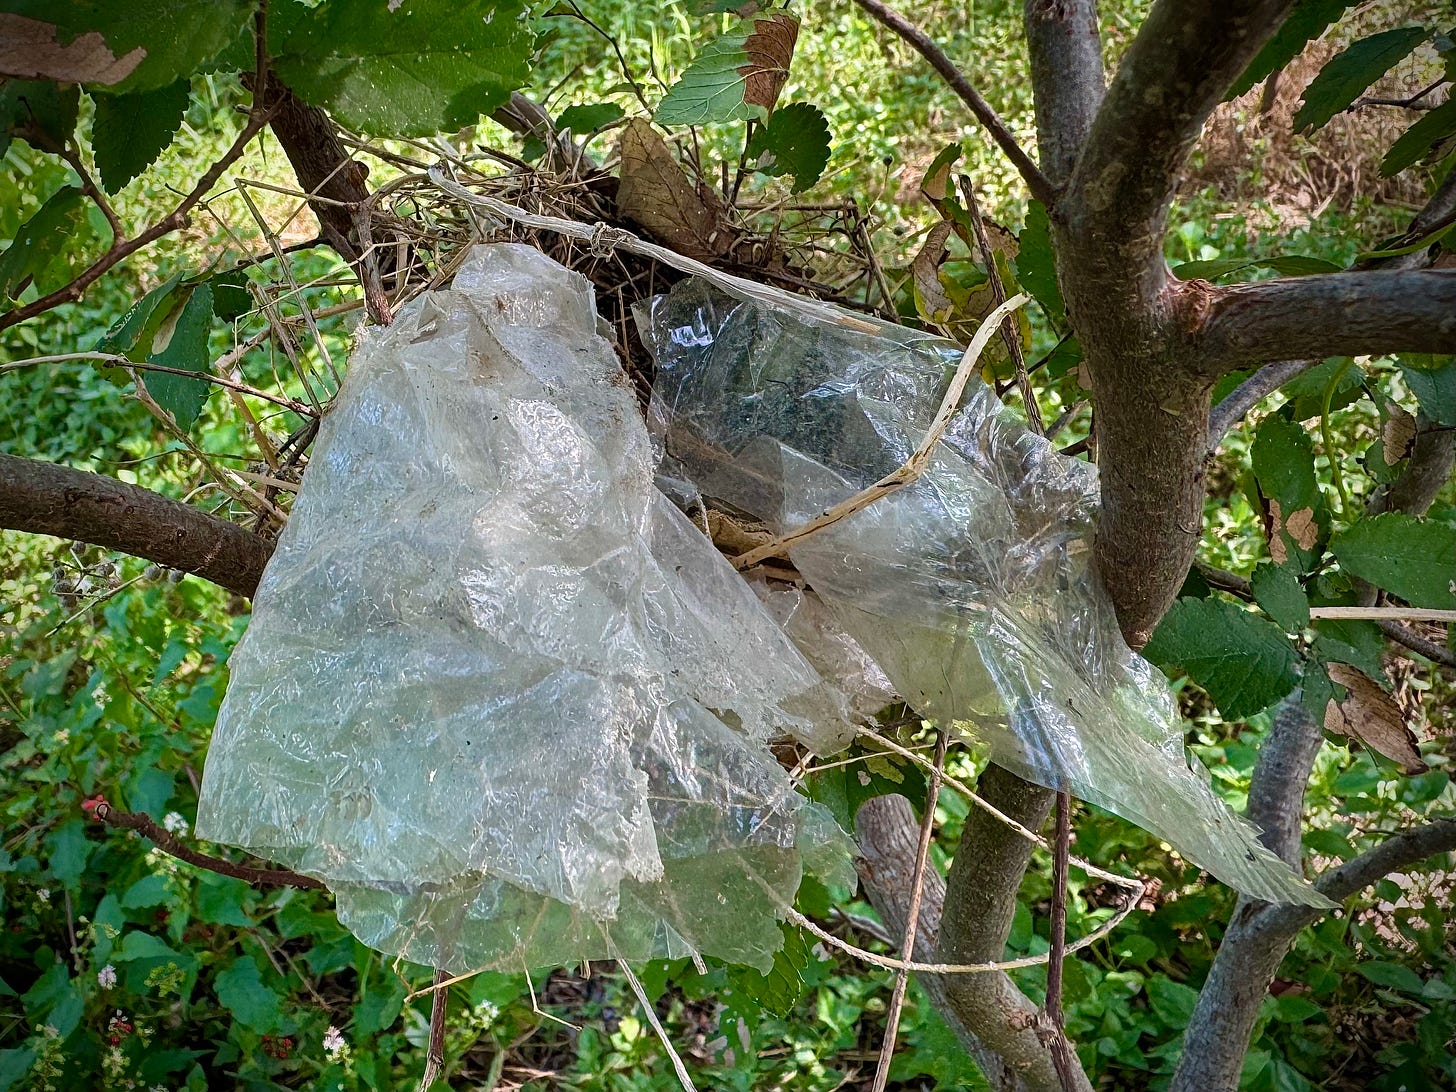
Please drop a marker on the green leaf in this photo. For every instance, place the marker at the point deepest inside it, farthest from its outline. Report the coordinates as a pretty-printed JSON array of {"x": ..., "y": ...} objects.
[
  {"x": 1306, "y": 392},
  {"x": 131, "y": 335},
  {"x": 415, "y": 69},
  {"x": 795, "y": 142},
  {"x": 1035, "y": 266},
  {"x": 147, "y": 891},
  {"x": 778, "y": 991},
  {"x": 181, "y": 342},
  {"x": 1291, "y": 1008},
  {"x": 1349, "y": 641},
  {"x": 1277, "y": 590},
  {"x": 736, "y": 76},
  {"x": 15, "y": 1063},
  {"x": 1286, "y": 265},
  {"x": 1245, "y": 662},
  {"x": 1306, "y": 22},
  {"x": 1432, "y": 128},
  {"x": 1434, "y": 388},
  {"x": 220, "y": 900},
  {"x": 1348, "y": 73},
  {"x": 1283, "y": 463},
  {"x": 130, "y": 131},
  {"x": 585, "y": 119},
  {"x": 69, "y": 851},
  {"x": 38, "y": 244},
  {"x": 1172, "y": 1001},
  {"x": 230, "y": 296},
  {"x": 1395, "y": 976},
  {"x": 1412, "y": 558},
  {"x": 142, "y": 46},
  {"x": 240, "y": 989},
  {"x": 46, "y": 109}
]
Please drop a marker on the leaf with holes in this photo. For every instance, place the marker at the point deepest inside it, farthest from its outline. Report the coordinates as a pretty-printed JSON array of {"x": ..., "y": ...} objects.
[
  {"x": 1350, "y": 72},
  {"x": 181, "y": 342},
  {"x": 737, "y": 75},
  {"x": 114, "y": 43},
  {"x": 39, "y": 246},
  {"x": 130, "y": 131},
  {"x": 1430, "y": 136},
  {"x": 1409, "y": 557},
  {"x": 425, "y": 67},
  {"x": 1369, "y": 714},
  {"x": 1283, "y": 462},
  {"x": 794, "y": 142},
  {"x": 1245, "y": 662}
]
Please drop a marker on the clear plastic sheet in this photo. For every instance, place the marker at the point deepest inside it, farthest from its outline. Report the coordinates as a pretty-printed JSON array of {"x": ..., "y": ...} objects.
[
  {"x": 497, "y": 692},
  {"x": 971, "y": 588}
]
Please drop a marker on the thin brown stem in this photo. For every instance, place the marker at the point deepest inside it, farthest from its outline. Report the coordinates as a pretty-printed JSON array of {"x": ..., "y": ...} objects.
[{"x": 1055, "y": 1025}]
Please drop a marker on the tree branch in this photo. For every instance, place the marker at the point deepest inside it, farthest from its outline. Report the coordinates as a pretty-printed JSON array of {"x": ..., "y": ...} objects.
[
  {"x": 1332, "y": 314},
  {"x": 921, "y": 42},
  {"x": 47, "y": 499},
  {"x": 1067, "y": 78},
  {"x": 1248, "y": 394},
  {"x": 1276, "y": 790}
]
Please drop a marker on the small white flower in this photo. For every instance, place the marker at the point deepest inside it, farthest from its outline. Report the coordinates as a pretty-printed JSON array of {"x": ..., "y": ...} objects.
[
  {"x": 43, "y": 893},
  {"x": 333, "y": 1041},
  {"x": 62, "y": 737},
  {"x": 106, "y": 977},
  {"x": 174, "y": 822}
]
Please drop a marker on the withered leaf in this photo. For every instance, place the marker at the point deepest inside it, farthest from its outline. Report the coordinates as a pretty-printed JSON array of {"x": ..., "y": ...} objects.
[
  {"x": 1370, "y": 715},
  {"x": 1397, "y": 435},
  {"x": 934, "y": 304},
  {"x": 29, "y": 50},
  {"x": 770, "y": 48},
  {"x": 657, "y": 194}
]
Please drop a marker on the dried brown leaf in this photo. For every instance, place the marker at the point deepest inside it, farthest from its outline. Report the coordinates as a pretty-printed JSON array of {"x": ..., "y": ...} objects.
[
  {"x": 656, "y": 193},
  {"x": 1372, "y": 716},
  {"x": 925, "y": 269},
  {"x": 770, "y": 48},
  {"x": 1398, "y": 435},
  {"x": 29, "y": 51}
]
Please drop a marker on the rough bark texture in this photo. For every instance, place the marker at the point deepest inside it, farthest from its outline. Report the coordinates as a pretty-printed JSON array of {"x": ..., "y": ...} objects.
[
  {"x": 1066, "y": 70},
  {"x": 46, "y": 499},
  {"x": 1276, "y": 791}
]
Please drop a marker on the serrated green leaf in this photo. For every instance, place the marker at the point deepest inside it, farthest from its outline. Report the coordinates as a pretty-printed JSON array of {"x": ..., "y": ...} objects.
[
  {"x": 1412, "y": 558},
  {"x": 39, "y": 243},
  {"x": 737, "y": 76},
  {"x": 1245, "y": 662},
  {"x": 1349, "y": 641},
  {"x": 240, "y": 989},
  {"x": 46, "y": 109},
  {"x": 584, "y": 119},
  {"x": 1435, "y": 389},
  {"x": 1348, "y": 73},
  {"x": 1305, "y": 22},
  {"x": 181, "y": 342},
  {"x": 425, "y": 67},
  {"x": 794, "y": 142},
  {"x": 1283, "y": 464},
  {"x": 1278, "y": 592},
  {"x": 1433, "y": 127},
  {"x": 143, "y": 46},
  {"x": 130, "y": 131},
  {"x": 779, "y": 990},
  {"x": 1306, "y": 392},
  {"x": 1035, "y": 264}
]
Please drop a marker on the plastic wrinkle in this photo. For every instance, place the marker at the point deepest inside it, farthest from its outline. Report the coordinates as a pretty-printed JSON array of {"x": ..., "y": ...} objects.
[
  {"x": 971, "y": 588},
  {"x": 497, "y": 692}
]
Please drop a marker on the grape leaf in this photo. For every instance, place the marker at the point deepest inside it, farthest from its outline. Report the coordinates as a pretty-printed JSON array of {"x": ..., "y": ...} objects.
[
  {"x": 1245, "y": 662},
  {"x": 586, "y": 119},
  {"x": 1433, "y": 127},
  {"x": 130, "y": 131},
  {"x": 38, "y": 244},
  {"x": 425, "y": 67},
  {"x": 117, "y": 44},
  {"x": 181, "y": 342},
  {"x": 1278, "y": 592},
  {"x": 1346, "y": 75},
  {"x": 795, "y": 142},
  {"x": 736, "y": 76},
  {"x": 1412, "y": 558}
]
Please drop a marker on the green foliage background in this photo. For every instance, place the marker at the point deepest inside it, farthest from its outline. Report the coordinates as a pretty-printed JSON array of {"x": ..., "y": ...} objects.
[{"x": 121, "y": 966}]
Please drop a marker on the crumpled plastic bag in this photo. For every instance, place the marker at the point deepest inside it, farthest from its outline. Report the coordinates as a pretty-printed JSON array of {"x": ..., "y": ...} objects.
[
  {"x": 973, "y": 587},
  {"x": 497, "y": 692}
]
